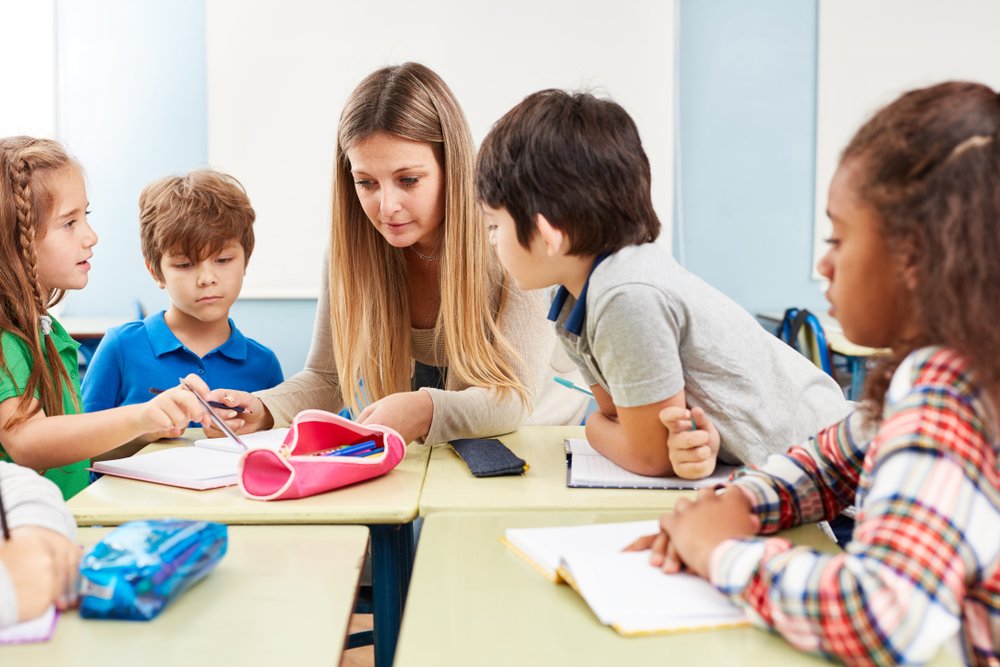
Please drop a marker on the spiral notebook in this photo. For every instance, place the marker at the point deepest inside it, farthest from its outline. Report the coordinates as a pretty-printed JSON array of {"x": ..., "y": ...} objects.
[{"x": 621, "y": 588}]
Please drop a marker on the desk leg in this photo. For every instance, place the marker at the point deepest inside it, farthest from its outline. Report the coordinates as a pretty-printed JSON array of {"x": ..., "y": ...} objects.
[{"x": 392, "y": 562}]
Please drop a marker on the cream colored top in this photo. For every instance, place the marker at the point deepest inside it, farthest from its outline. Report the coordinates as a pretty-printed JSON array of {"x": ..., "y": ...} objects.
[{"x": 460, "y": 411}]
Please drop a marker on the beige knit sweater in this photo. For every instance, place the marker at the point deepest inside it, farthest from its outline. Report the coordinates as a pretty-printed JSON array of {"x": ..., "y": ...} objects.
[{"x": 460, "y": 411}]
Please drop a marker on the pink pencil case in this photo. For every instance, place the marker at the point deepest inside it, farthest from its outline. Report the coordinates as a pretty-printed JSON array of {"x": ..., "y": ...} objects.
[{"x": 296, "y": 470}]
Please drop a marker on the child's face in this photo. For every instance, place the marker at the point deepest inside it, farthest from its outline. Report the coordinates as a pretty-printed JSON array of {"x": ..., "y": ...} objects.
[
  {"x": 66, "y": 238},
  {"x": 204, "y": 291},
  {"x": 530, "y": 267},
  {"x": 867, "y": 291},
  {"x": 400, "y": 185}
]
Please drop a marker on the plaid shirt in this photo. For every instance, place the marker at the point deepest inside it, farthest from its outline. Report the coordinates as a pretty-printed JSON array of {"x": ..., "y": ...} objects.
[{"x": 924, "y": 561}]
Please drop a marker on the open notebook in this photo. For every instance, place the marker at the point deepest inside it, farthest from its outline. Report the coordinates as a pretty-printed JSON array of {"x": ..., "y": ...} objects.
[
  {"x": 587, "y": 468},
  {"x": 622, "y": 589}
]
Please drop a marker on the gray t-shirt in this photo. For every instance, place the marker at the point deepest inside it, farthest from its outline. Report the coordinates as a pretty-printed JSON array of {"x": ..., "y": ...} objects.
[{"x": 651, "y": 328}]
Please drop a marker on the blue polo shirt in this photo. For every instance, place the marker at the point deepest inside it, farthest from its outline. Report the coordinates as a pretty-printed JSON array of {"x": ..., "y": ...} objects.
[{"x": 139, "y": 355}]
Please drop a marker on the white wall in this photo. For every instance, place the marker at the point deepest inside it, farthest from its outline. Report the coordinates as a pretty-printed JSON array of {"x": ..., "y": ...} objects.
[
  {"x": 871, "y": 52},
  {"x": 279, "y": 73},
  {"x": 28, "y": 76}
]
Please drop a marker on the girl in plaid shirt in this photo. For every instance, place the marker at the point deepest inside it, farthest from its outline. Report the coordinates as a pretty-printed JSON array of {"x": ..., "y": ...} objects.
[{"x": 913, "y": 265}]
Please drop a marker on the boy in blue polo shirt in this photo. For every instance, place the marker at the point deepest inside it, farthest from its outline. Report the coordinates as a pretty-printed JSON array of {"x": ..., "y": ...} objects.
[
  {"x": 197, "y": 237},
  {"x": 565, "y": 187}
]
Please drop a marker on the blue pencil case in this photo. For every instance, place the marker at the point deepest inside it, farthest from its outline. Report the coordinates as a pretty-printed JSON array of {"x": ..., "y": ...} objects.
[{"x": 139, "y": 567}]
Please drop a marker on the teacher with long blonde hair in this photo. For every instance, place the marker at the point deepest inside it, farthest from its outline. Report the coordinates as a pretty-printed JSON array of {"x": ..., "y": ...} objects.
[{"x": 417, "y": 327}]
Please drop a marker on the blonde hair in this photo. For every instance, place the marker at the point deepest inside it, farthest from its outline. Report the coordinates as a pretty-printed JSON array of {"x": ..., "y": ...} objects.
[
  {"x": 368, "y": 296},
  {"x": 26, "y": 203},
  {"x": 194, "y": 214}
]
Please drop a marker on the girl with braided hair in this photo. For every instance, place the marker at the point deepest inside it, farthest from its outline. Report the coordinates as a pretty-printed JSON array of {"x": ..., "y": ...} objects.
[{"x": 46, "y": 244}]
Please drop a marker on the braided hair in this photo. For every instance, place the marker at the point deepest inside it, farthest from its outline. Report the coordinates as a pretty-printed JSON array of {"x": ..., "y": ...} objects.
[{"x": 26, "y": 201}]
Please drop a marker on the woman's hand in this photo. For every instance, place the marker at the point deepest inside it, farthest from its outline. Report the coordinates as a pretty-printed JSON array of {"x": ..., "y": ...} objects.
[
  {"x": 255, "y": 416},
  {"x": 689, "y": 534},
  {"x": 409, "y": 413},
  {"x": 693, "y": 451},
  {"x": 44, "y": 567}
]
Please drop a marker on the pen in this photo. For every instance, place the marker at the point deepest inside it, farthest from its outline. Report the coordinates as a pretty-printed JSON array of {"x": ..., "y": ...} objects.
[
  {"x": 215, "y": 404},
  {"x": 350, "y": 450},
  {"x": 3, "y": 519},
  {"x": 570, "y": 385},
  {"x": 216, "y": 418}
]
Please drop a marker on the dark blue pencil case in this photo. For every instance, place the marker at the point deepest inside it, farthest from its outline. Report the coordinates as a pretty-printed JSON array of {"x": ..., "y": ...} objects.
[{"x": 139, "y": 567}]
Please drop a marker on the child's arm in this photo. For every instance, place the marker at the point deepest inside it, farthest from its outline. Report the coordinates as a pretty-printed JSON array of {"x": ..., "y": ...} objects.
[
  {"x": 634, "y": 438},
  {"x": 45, "y": 442},
  {"x": 922, "y": 538}
]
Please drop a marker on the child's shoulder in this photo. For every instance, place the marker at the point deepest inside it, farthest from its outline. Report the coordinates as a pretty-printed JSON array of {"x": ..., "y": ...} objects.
[{"x": 928, "y": 369}]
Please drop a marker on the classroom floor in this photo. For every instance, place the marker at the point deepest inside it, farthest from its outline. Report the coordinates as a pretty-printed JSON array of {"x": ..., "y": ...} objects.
[{"x": 363, "y": 656}]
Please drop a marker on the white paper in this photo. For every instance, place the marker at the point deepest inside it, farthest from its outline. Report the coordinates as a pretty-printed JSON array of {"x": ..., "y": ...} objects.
[
  {"x": 188, "y": 467},
  {"x": 589, "y": 468},
  {"x": 38, "y": 629},
  {"x": 271, "y": 439}
]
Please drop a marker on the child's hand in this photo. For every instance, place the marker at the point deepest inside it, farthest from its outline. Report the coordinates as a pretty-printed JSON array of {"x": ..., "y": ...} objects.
[
  {"x": 690, "y": 533},
  {"x": 409, "y": 413},
  {"x": 170, "y": 411},
  {"x": 44, "y": 567},
  {"x": 693, "y": 452}
]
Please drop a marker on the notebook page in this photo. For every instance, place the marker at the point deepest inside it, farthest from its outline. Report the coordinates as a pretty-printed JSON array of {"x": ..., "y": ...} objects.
[
  {"x": 189, "y": 467},
  {"x": 38, "y": 629},
  {"x": 271, "y": 439},
  {"x": 544, "y": 546},
  {"x": 627, "y": 593},
  {"x": 589, "y": 468}
]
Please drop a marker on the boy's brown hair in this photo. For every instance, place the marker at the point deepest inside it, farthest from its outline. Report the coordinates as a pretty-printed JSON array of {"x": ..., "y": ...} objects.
[
  {"x": 578, "y": 161},
  {"x": 195, "y": 215}
]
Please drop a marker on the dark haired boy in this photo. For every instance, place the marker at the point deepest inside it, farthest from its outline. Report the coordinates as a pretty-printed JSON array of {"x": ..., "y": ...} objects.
[
  {"x": 197, "y": 235},
  {"x": 565, "y": 185}
]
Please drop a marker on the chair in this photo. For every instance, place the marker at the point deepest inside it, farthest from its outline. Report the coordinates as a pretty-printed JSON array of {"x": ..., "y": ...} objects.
[{"x": 803, "y": 332}]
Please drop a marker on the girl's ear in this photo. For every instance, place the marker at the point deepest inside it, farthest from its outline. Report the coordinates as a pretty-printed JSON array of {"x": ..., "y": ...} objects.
[
  {"x": 159, "y": 283},
  {"x": 553, "y": 237}
]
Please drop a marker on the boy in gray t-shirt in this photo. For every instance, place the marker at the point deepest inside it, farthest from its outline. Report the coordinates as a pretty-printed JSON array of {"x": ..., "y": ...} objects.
[{"x": 565, "y": 186}]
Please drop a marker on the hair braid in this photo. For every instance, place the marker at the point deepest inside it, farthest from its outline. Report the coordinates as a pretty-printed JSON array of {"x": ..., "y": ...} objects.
[{"x": 26, "y": 200}]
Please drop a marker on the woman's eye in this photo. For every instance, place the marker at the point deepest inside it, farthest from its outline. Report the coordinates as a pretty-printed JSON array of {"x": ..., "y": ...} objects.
[
  {"x": 409, "y": 181},
  {"x": 364, "y": 184}
]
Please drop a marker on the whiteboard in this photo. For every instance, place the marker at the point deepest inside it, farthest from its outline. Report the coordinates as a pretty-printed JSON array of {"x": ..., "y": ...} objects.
[
  {"x": 871, "y": 52},
  {"x": 279, "y": 74}
]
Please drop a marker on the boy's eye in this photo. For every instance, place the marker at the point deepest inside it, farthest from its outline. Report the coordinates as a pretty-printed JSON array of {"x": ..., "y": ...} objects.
[
  {"x": 182, "y": 265},
  {"x": 224, "y": 260}
]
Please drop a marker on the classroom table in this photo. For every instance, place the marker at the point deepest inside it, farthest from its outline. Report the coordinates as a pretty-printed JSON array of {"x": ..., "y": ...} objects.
[
  {"x": 280, "y": 595},
  {"x": 387, "y": 505},
  {"x": 450, "y": 486},
  {"x": 473, "y": 601}
]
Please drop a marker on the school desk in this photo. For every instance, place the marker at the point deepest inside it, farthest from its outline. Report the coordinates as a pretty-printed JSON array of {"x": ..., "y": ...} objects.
[
  {"x": 280, "y": 595},
  {"x": 450, "y": 486},
  {"x": 387, "y": 505},
  {"x": 472, "y": 601}
]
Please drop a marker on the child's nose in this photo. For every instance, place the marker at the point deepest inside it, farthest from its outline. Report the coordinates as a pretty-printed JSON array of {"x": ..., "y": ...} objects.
[
  {"x": 206, "y": 276},
  {"x": 90, "y": 237},
  {"x": 825, "y": 265}
]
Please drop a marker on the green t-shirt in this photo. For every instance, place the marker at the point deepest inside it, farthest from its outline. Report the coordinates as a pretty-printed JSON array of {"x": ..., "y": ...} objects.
[{"x": 70, "y": 479}]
